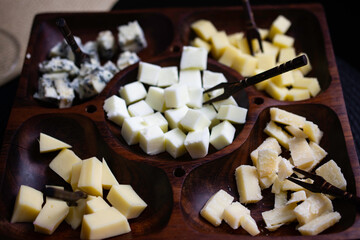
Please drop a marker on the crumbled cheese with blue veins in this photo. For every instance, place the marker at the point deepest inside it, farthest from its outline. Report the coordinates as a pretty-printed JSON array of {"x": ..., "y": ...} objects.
[
  {"x": 111, "y": 67},
  {"x": 126, "y": 59},
  {"x": 57, "y": 64},
  {"x": 106, "y": 44},
  {"x": 63, "y": 50},
  {"x": 90, "y": 48},
  {"x": 131, "y": 37}
]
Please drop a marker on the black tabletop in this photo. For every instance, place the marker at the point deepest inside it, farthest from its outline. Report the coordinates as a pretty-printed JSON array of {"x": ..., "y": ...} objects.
[{"x": 340, "y": 18}]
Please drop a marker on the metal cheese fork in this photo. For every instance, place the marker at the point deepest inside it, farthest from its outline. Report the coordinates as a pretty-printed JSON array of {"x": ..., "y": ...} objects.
[
  {"x": 320, "y": 185},
  {"x": 233, "y": 87},
  {"x": 252, "y": 31}
]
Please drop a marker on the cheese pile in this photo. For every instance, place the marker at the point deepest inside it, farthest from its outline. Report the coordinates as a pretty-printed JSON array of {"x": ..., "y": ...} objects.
[
  {"x": 233, "y": 51},
  {"x": 313, "y": 211},
  {"x": 98, "y": 218},
  {"x": 163, "y": 109}
]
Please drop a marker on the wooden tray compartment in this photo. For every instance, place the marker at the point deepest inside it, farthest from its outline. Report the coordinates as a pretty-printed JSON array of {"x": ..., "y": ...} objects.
[{"x": 174, "y": 189}]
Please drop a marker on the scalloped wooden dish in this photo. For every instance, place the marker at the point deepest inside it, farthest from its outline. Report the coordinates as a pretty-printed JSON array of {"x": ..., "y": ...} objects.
[{"x": 175, "y": 189}]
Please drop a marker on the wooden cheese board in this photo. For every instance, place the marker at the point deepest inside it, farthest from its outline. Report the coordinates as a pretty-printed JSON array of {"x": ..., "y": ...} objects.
[{"x": 174, "y": 189}]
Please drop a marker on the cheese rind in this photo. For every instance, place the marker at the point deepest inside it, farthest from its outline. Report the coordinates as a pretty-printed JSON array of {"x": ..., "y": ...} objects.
[
  {"x": 27, "y": 205},
  {"x": 124, "y": 198}
]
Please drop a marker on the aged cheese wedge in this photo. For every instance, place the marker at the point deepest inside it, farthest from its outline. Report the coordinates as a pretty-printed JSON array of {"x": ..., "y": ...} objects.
[
  {"x": 91, "y": 176},
  {"x": 285, "y": 169},
  {"x": 267, "y": 164},
  {"x": 280, "y": 215},
  {"x": 204, "y": 29},
  {"x": 248, "y": 184},
  {"x": 105, "y": 223},
  {"x": 285, "y": 117},
  {"x": 268, "y": 143},
  {"x": 214, "y": 207},
  {"x": 275, "y": 131},
  {"x": 249, "y": 224},
  {"x": 301, "y": 153},
  {"x": 63, "y": 162},
  {"x": 280, "y": 199},
  {"x": 75, "y": 174},
  {"x": 49, "y": 144},
  {"x": 280, "y": 25},
  {"x": 233, "y": 214},
  {"x": 313, "y": 131},
  {"x": 296, "y": 197},
  {"x": 319, "y": 224},
  {"x": 50, "y": 216},
  {"x": 108, "y": 178},
  {"x": 331, "y": 172},
  {"x": 124, "y": 198},
  {"x": 96, "y": 204},
  {"x": 319, "y": 154},
  {"x": 27, "y": 205},
  {"x": 76, "y": 213}
]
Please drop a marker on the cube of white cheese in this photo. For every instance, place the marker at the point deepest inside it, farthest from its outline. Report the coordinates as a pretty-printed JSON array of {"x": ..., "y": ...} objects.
[
  {"x": 115, "y": 108},
  {"x": 174, "y": 116},
  {"x": 152, "y": 140},
  {"x": 195, "y": 97},
  {"x": 176, "y": 96},
  {"x": 63, "y": 162},
  {"x": 148, "y": 73},
  {"x": 124, "y": 198},
  {"x": 319, "y": 224},
  {"x": 233, "y": 114},
  {"x": 168, "y": 76},
  {"x": 27, "y": 205},
  {"x": 331, "y": 172},
  {"x": 247, "y": 183},
  {"x": 190, "y": 78},
  {"x": 156, "y": 119},
  {"x": 132, "y": 92},
  {"x": 211, "y": 79},
  {"x": 210, "y": 113},
  {"x": 194, "y": 120},
  {"x": 50, "y": 216},
  {"x": 155, "y": 98},
  {"x": 140, "y": 109},
  {"x": 193, "y": 58},
  {"x": 228, "y": 101},
  {"x": 48, "y": 143},
  {"x": 197, "y": 143},
  {"x": 174, "y": 142},
  {"x": 215, "y": 206},
  {"x": 105, "y": 223},
  {"x": 222, "y": 135}
]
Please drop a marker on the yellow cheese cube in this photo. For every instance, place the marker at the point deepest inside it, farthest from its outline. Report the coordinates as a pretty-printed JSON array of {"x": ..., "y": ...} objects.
[
  {"x": 91, "y": 176},
  {"x": 50, "y": 216},
  {"x": 95, "y": 205},
  {"x": 263, "y": 84},
  {"x": 49, "y": 144},
  {"x": 248, "y": 184},
  {"x": 276, "y": 92},
  {"x": 76, "y": 213},
  {"x": 233, "y": 213},
  {"x": 301, "y": 153},
  {"x": 268, "y": 143},
  {"x": 229, "y": 54},
  {"x": 313, "y": 131},
  {"x": 124, "y": 198},
  {"x": 283, "y": 80},
  {"x": 275, "y": 131},
  {"x": 331, "y": 172},
  {"x": 204, "y": 29},
  {"x": 312, "y": 207},
  {"x": 287, "y": 118},
  {"x": 297, "y": 94},
  {"x": 283, "y": 41},
  {"x": 214, "y": 207},
  {"x": 310, "y": 83},
  {"x": 75, "y": 174},
  {"x": 280, "y": 215},
  {"x": 219, "y": 41},
  {"x": 27, "y": 205},
  {"x": 280, "y": 199},
  {"x": 108, "y": 178},
  {"x": 280, "y": 25},
  {"x": 286, "y": 54},
  {"x": 265, "y": 61},
  {"x": 264, "y": 33},
  {"x": 105, "y": 223},
  {"x": 267, "y": 163},
  {"x": 199, "y": 42},
  {"x": 245, "y": 64},
  {"x": 234, "y": 38},
  {"x": 63, "y": 162},
  {"x": 270, "y": 48},
  {"x": 320, "y": 224},
  {"x": 308, "y": 67}
]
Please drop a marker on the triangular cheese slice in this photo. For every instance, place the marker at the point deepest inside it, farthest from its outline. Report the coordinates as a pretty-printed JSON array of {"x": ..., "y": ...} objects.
[
  {"x": 50, "y": 144},
  {"x": 108, "y": 178}
]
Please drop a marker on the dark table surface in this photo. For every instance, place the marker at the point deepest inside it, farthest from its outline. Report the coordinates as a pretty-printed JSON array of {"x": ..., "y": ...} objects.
[{"x": 341, "y": 18}]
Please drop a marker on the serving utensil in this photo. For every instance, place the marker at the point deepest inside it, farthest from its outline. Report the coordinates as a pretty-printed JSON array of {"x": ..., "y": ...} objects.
[
  {"x": 67, "y": 196},
  {"x": 80, "y": 56},
  {"x": 320, "y": 185},
  {"x": 252, "y": 31},
  {"x": 233, "y": 87}
]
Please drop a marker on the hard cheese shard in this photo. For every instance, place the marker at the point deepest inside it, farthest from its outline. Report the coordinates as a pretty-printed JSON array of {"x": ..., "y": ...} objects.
[
  {"x": 108, "y": 178},
  {"x": 50, "y": 144}
]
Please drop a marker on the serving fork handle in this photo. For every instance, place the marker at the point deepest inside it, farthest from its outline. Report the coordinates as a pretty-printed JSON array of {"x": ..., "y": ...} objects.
[
  {"x": 282, "y": 68},
  {"x": 249, "y": 13}
]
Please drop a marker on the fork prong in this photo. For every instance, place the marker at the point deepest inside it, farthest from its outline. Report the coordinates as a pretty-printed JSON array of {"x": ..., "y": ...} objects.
[
  {"x": 309, "y": 186},
  {"x": 218, "y": 86},
  {"x": 223, "y": 96},
  {"x": 305, "y": 173}
]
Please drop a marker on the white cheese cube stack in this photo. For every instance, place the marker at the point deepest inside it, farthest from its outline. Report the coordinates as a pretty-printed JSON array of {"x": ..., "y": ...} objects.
[{"x": 166, "y": 98}]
